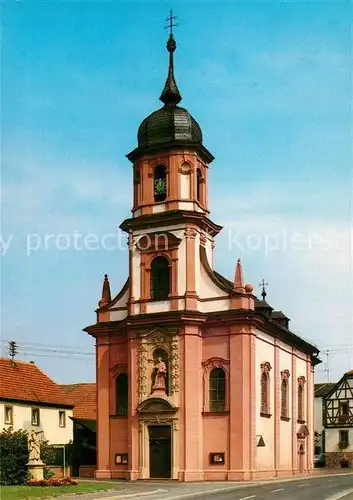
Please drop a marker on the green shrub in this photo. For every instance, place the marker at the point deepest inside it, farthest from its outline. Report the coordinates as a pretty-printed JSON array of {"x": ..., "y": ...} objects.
[{"x": 13, "y": 456}]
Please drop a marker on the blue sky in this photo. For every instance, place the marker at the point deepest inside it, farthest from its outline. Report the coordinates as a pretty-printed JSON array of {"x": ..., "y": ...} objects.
[{"x": 269, "y": 83}]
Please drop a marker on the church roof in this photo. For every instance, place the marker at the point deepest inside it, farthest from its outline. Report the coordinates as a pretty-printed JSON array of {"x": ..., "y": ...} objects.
[
  {"x": 170, "y": 125},
  {"x": 25, "y": 382},
  {"x": 84, "y": 397}
]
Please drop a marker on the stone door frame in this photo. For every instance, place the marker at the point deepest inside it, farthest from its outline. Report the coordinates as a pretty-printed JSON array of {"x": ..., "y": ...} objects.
[{"x": 144, "y": 445}]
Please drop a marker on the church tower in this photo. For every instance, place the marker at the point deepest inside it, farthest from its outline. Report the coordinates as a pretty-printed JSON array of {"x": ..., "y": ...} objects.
[
  {"x": 170, "y": 206},
  {"x": 179, "y": 356}
]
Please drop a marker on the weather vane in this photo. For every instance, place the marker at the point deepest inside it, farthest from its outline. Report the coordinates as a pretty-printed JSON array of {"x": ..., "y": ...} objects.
[
  {"x": 263, "y": 285},
  {"x": 170, "y": 24}
]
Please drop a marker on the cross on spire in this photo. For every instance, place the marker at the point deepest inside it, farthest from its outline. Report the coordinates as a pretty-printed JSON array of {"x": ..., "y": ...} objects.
[
  {"x": 171, "y": 94},
  {"x": 263, "y": 286},
  {"x": 170, "y": 24}
]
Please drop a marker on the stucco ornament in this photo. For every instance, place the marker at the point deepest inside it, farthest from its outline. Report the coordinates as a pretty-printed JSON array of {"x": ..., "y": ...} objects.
[
  {"x": 266, "y": 367},
  {"x": 149, "y": 342},
  {"x": 212, "y": 363},
  {"x": 301, "y": 380},
  {"x": 118, "y": 369},
  {"x": 285, "y": 374}
]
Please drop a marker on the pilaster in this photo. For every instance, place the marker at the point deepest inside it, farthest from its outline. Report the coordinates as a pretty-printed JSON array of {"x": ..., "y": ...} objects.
[
  {"x": 193, "y": 429},
  {"x": 103, "y": 435},
  {"x": 133, "y": 423},
  {"x": 242, "y": 404}
]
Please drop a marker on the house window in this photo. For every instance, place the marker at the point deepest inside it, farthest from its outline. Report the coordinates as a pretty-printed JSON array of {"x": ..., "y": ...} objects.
[
  {"x": 160, "y": 183},
  {"x": 8, "y": 415},
  {"x": 35, "y": 416},
  {"x": 343, "y": 410},
  {"x": 284, "y": 399},
  {"x": 265, "y": 404},
  {"x": 62, "y": 419},
  {"x": 122, "y": 389},
  {"x": 160, "y": 278},
  {"x": 343, "y": 439},
  {"x": 300, "y": 403},
  {"x": 217, "y": 398},
  {"x": 199, "y": 185}
]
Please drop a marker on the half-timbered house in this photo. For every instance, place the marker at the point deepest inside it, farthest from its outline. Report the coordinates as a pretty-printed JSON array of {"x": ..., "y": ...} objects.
[{"x": 338, "y": 422}]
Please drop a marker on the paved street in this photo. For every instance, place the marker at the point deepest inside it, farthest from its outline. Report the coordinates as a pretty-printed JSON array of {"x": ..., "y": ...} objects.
[
  {"x": 328, "y": 488},
  {"x": 306, "y": 488}
]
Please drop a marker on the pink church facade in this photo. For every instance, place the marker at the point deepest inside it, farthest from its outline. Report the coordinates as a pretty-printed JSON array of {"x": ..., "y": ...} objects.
[{"x": 197, "y": 379}]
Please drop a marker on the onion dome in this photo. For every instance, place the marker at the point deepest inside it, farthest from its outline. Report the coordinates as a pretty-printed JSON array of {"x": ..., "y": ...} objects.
[{"x": 171, "y": 123}]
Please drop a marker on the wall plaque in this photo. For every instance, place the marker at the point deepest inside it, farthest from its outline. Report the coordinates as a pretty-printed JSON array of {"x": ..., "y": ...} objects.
[
  {"x": 216, "y": 458},
  {"x": 121, "y": 458}
]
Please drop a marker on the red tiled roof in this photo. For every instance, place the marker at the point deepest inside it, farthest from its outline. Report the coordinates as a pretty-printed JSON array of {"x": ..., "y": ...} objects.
[
  {"x": 26, "y": 382},
  {"x": 84, "y": 397}
]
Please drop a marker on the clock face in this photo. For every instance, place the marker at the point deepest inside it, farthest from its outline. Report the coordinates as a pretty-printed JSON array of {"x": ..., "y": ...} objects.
[{"x": 160, "y": 186}]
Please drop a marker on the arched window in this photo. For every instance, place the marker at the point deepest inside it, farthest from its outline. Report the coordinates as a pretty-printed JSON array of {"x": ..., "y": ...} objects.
[
  {"x": 217, "y": 398},
  {"x": 300, "y": 402},
  {"x": 160, "y": 278},
  {"x": 160, "y": 183},
  {"x": 121, "y": 394},
  {"x": 160, "y": 353},
  {"x": 284, "y": 398},
  {"x": 265, "y": 403},
  {"x": 199, "y": 185}
]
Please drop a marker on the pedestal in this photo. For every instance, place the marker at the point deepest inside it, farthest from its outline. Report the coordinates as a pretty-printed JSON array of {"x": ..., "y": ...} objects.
[{"x": 36, "y": 469}]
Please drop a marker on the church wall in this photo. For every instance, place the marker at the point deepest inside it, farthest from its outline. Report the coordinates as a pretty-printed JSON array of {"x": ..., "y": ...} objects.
[
  {"x": 206, "y": 288},
  {"x": 158, "y": 306},
  {"x": 191, "y": 404},
  {"x": 185, "y": 185},
  {"x": 118, "y": 358},
  {"x": 215, "y": 440},
  {"x": 265, "y": 427},
  {"x": 198, "y": 285},
  {"x": 209, "y": 249},
  {"x": 136, "y": 281},
  {"x": 118, "y": 315},
  {"x": 215, "y": 344},
  {"x": 214, "y": 305},
  {"x": 118, "y": 444},
  {"x": 286, "y": 442}
]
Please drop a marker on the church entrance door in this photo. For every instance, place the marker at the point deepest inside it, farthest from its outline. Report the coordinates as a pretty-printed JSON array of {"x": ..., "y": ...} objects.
[{"x": 160, "y": 451}]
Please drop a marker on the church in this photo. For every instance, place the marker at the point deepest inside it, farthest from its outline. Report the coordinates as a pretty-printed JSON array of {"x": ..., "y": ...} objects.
[{"x": 197, "y": 378}]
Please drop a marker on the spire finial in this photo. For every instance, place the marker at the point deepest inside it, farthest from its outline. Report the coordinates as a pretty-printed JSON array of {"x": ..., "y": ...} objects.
[
  {"x": 171, "y": 94},
  {"x": 263, "y": 286},
  {"x": 106, "y": 296},
  {"x": 170, "y": 24},
  {"x": 238, "y": 278}
]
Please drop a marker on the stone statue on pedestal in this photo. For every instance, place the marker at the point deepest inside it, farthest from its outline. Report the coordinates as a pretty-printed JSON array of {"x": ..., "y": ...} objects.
[
  {"x": 34, "y": 447},
  {"x": 35, "y": 464}
]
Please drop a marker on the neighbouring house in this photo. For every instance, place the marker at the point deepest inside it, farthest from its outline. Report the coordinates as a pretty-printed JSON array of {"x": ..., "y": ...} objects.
[
  {"x": 197, "y": 378},
  {"x": 321, "y": 390},
  {"x": 84, "y": 397},
  {"x": 29, "y": 399},
  {"x": 338, "y": 423}
]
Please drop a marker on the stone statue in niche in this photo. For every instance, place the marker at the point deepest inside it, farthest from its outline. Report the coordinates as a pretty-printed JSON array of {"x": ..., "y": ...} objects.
[{"x": 160, "y": 374}]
